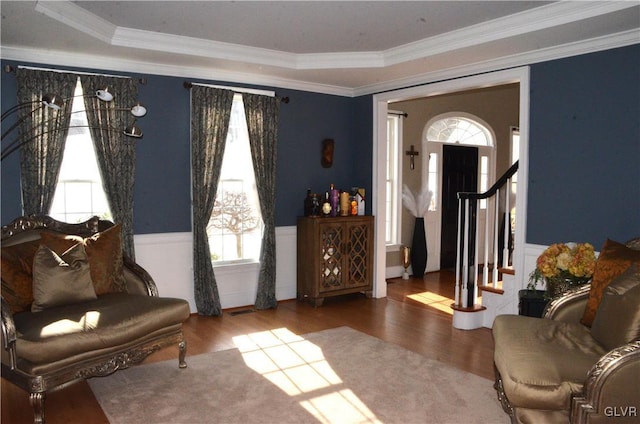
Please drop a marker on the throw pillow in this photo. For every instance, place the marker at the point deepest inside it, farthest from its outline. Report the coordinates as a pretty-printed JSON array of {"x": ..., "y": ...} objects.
[
  {"x": 105, "y": 256},
  {"x": 17, "y": 285},
  {"x": 617, "y": 319},
  {"x": 614, "y": 259},
  {"x": 61, "y": 280}
]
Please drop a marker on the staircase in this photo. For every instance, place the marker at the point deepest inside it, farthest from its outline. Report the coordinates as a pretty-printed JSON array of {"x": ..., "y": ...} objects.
[{"x": 484, "y": 267}]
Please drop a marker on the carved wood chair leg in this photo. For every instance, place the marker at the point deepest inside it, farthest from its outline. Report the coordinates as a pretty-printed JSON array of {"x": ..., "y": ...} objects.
[
  {"x": 182, "y": 353},
  {"x": 37, "y": 404}
]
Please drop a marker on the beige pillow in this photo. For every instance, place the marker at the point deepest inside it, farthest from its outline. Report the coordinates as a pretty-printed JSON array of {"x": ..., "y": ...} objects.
[
  {"x": 61, "y": 280},
  {"x": 617, "y": 319}
]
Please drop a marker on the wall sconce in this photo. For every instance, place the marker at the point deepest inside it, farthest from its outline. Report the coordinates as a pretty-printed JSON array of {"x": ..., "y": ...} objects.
[{"x": 55, "y": 102}]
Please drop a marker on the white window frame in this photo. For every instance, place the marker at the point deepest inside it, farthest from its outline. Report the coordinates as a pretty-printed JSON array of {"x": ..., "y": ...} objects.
[{"x": 393, "y": 222}]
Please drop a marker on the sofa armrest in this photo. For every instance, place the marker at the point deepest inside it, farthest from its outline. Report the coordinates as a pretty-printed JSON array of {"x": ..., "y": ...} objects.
[
  {"x": 138, "y": 279},
  {"x": 8, "y": 333},
  {"x": 611, "y": 392},
  {"x": 570, "y": 306}
]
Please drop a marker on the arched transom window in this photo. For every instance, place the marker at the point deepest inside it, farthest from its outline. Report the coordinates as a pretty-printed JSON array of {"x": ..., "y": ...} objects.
[{"x": 459, "y": 130}]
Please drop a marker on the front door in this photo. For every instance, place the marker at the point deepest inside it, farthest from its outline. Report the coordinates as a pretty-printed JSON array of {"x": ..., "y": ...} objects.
[{"x": 459, "y": 173}]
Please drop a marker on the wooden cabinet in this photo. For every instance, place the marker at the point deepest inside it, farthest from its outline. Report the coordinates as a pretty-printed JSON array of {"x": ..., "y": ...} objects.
[{"x": 335, "y": 257}]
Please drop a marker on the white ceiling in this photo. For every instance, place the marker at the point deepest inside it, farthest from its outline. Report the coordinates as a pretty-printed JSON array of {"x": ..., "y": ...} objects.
[{"x": 340, "y": 47}]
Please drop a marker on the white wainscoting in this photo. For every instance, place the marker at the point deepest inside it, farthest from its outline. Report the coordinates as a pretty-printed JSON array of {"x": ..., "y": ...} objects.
[{"x": 168, "y": 257}]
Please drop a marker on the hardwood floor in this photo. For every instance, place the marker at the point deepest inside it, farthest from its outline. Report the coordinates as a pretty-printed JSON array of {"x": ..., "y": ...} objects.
[{"x": 414, "y": 315}]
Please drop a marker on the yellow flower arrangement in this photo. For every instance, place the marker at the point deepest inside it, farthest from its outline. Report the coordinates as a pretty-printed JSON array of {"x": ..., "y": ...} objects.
[{"x": 571, "y": 262}]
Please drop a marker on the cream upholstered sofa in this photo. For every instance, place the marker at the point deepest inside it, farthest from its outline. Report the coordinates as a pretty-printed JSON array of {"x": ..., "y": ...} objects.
[
  {"x": 580, "y": 363},
  {"x": 74, "y": 307}
]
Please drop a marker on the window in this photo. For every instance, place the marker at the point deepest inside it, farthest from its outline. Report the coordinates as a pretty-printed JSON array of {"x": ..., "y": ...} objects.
[
  {"x": 515, "y": 155},
  {"x": 484, "y": 179},
  {"x": 79, "y": 193},
  {"x": 459, "y": 130},
  {"x": 394, "y": 136},
  {"x": 433, "y": 180},
  {"x": 235, "y": 227}
]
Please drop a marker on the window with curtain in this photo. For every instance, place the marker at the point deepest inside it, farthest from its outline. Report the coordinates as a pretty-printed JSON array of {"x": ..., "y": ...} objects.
[
  {"x": 79, "y": 191},
  {"x": 235, "y": 227}
]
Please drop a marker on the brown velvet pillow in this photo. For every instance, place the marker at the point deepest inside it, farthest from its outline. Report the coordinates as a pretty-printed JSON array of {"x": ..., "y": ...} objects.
[
  {"x": 614, "y": 259},
  {"x": 17, "y": 285},
  {"x": 105, "y": 256},
  {"x": 617, "y": 320},
  {"x": 61, "y": 280}
]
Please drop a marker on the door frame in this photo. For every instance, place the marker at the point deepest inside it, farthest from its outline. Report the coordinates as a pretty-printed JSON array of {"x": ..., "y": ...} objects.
[{"x": 518, "y": 75}]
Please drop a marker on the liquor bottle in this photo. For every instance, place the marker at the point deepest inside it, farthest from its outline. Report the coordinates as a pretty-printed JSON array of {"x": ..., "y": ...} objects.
[
  {"x": 334, "y": 196},
  {"x": 308, "y": 203},
  {"x": 326, "y": 205}
]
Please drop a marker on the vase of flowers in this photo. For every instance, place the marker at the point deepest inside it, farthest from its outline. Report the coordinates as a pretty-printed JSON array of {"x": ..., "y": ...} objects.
[
  {"x": 417, "y": 204},
  {"x": 563, "y": 266}
]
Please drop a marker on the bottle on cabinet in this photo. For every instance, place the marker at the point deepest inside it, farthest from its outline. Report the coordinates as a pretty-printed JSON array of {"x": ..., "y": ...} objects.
[{"x": 326, "y": 205}]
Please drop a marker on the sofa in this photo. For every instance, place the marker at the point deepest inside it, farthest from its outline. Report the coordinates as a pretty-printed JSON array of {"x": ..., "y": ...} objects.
[
  {"x": 75, "y": 307},
  {"x": 580, "y": 362}
]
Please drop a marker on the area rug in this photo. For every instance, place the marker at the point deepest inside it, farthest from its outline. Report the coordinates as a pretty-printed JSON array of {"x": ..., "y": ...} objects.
[{"x": 332, "y": 376}]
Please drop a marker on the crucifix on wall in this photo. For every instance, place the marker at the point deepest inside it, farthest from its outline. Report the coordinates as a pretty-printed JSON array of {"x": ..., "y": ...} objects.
[{"x": 412, "y": 153}]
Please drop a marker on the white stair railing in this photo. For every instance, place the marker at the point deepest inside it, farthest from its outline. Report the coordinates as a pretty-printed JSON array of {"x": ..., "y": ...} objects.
[{"x": 471, "y": 236}]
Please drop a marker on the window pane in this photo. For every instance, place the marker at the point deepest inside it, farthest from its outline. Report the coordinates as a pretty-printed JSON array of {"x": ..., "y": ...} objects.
[
  {"x": 433, "y": 180},
  {"x": 484, "y": 179},
  {"x": 235, "y": 227}
]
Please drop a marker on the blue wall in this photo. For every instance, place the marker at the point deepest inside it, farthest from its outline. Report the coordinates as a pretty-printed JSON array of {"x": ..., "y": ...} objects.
[
  {"x": 162, "y": 190},
  {"x": 584, "y": 149},
  {"x": 584, "y": 161}
]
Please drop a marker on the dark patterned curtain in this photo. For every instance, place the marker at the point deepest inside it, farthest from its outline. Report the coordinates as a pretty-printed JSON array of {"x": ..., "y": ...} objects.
[
  {"x": 262, "y": 123},
  {"x": 210, "y": 115},
  {"x": 44, "y": 131},
  {"x": 115, "y": 152}
]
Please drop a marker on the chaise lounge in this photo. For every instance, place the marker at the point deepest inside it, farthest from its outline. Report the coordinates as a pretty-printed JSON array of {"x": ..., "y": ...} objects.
[
  {"x": 75, "y": 307},
  {"x": 580, "y": 363}
]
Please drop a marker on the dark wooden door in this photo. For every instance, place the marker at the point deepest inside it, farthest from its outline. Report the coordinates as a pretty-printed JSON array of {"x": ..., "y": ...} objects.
[{"x": 459, "y": 173}]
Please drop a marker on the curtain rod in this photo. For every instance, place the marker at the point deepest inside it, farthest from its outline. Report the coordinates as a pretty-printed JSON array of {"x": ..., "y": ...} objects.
[
  {"x": 188, "y": 86},
  {"x": 405, "y": 114},
  {"x": 12, "y": 69}
]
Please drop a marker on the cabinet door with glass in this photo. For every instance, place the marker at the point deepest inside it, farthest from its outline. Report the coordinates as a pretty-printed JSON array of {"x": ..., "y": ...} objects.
[{"x": 334, "y": 257}]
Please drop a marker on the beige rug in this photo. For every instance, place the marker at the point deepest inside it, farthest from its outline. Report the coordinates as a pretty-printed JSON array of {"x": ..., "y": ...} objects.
[{"x": 333, "y": 376}]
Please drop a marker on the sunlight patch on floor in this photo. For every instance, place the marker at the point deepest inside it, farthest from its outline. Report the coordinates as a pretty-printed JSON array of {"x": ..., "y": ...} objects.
[
  {"x": 299, "y": 368},
  {"x": 433, "y": 300}
]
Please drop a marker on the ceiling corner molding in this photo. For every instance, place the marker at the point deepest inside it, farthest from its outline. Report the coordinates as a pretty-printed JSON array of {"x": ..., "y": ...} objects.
[{"x": 77, "y": 18}]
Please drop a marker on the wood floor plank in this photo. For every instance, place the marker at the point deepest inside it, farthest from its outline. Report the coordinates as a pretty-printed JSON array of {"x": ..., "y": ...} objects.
[{"x": 411, "y": 316}]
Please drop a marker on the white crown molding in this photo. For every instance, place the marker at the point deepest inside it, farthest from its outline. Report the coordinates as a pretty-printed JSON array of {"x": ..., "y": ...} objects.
[
  {"x": 113, "y": 64},
  {"x": 622, "y": 39},
  {"x": 178, "y": 44},
  {"x": 66, "y": 59},
  {"x": 77, "y": 18},
  {"x": 540, "y": 18}
]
